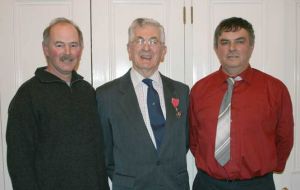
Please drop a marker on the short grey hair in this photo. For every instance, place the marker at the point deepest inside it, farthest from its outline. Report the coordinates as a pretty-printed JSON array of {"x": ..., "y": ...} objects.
[
  {"x": 61, "y": 20},
  {"x": 140, "y": 22}
]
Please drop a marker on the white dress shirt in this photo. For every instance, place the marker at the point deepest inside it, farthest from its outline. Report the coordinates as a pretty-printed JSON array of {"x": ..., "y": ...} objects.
[{"x": 141, "y": 93}]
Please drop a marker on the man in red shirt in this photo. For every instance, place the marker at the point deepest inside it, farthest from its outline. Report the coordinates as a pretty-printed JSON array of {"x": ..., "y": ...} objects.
[{"x": 260, "y": 135}]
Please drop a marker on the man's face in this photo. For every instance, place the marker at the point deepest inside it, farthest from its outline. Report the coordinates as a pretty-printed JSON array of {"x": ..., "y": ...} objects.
[
  {"x": 63, "y": 50},
  {"x": 234, "y": 51},
  {"x": 146, "y": 51}
]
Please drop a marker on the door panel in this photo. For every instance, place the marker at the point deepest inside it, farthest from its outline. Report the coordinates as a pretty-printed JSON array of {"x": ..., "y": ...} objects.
[
  {"x": 111, "y": 20},
  {"x": 293, "y": 56},
  {"x": 1, "y": 152},
  {"x": 208, "y": 14},
  {"x": 190, "y": 53},
  {"x": 21, "y": 24},
  {"x": 276, "y": 52}
]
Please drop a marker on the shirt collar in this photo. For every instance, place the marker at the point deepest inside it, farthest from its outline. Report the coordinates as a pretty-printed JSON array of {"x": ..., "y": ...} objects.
[
  {"x": 137, "y": 78},
  {"x": 245, "y": 75}
]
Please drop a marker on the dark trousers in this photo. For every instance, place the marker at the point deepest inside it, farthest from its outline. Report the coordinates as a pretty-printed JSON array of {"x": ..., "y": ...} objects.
[{"x": 205, "y": 182}]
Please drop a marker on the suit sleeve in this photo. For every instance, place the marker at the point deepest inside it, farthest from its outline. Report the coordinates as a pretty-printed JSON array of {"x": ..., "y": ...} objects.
[
  {"x": 20, "y": 137},
  {"x": 193, "y": 125},
  {"x": 103, "y": 111},
  {"x": 187, "y": 120},
  {"x": 103, "y": 180},
  {"x": 285, "y": 130}
]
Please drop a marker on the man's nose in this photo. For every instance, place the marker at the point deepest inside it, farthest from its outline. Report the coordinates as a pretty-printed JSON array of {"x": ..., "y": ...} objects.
[
  {"x": 232, "y": 46},
  {"x": 67, "y": 50},
  {"x": 146, "y": 45}
]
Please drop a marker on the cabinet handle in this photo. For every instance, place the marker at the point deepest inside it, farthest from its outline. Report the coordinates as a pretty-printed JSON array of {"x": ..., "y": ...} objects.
[
  {"x": 285, "y": 188},
  {"x": 184, "y": 15},
  {"x": 192, "y": 14}
]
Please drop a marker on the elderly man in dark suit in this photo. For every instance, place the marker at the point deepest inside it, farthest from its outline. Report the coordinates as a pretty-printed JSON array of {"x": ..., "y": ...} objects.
[{"x": 144, "y": 118}]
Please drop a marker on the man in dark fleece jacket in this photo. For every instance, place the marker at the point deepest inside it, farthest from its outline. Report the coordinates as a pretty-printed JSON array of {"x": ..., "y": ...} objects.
[{"x": 54, "y": 138}]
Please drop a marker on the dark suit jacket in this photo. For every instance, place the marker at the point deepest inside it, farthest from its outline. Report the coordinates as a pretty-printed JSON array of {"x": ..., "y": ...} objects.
[{"x": 131, "y": 159}]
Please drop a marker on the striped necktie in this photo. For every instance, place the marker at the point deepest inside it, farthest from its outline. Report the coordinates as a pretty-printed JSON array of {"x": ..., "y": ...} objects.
[{"x": 222, "y": 145}]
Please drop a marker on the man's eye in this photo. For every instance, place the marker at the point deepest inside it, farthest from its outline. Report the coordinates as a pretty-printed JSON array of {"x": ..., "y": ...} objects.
[
  {"x": 153, "y": 42},
  {"x": 140, "y": 41},
  {"x": 59, "y": 45},
  {"x": 224, "y": 42},
  {"x": 74, "y": 45},
  {"x": 241, "y": 41}
]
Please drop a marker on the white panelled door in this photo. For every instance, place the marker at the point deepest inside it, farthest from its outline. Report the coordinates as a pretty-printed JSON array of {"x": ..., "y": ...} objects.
[
  {"x": 21, "y": 24},
  {"x": 190, "y": 54},
  {"x": 277, "y": 26},
  {"x": 195, "y": 57},
  {"x": 110, "y": 21}
]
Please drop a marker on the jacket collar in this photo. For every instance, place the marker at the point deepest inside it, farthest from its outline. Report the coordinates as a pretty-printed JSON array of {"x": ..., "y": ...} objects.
[{"x": 47, "y": 77}]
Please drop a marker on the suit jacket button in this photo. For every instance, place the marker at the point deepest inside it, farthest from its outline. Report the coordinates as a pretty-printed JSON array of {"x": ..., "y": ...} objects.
[{"x": 157, "y": 163}]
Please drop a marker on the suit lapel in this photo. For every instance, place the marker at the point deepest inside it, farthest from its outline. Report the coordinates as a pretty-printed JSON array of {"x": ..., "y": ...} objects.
[
  {"x": 129, "y": 105},
  {"x": 169, "y": 93}
]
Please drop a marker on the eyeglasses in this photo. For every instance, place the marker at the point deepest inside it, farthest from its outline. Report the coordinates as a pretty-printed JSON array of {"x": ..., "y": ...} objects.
[{"x": 152, "y": 42}]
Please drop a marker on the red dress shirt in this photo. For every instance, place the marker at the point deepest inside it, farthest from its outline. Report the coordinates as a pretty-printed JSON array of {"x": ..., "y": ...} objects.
[{"x": 261, "y": 124}]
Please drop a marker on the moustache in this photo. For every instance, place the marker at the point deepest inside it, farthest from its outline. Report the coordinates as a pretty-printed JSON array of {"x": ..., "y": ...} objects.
[{"x": 66, "y": 57}]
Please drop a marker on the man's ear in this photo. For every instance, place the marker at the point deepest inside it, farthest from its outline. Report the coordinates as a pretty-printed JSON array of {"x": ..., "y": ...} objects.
[
  {"x": 215, "y": 48},
  {"x": 129, "y": 52},
  {"x": 45, "y": 49},
  {"x": 164, "y": 52}
]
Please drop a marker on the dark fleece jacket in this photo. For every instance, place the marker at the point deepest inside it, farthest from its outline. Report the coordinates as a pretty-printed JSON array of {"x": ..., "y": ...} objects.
[{"x": 54, "y": 138}]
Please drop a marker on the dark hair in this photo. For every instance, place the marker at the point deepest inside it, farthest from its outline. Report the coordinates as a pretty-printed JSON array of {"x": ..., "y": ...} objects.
[
  {"x": 231, "y": 25},
  {"x": 59, "y": 20}
]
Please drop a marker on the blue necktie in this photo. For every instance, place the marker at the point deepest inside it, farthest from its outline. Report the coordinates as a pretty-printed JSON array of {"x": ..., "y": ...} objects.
[{"x": 156, "y": 116}]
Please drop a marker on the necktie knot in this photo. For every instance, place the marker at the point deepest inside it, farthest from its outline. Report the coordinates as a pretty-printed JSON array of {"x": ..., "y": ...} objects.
[
  {"x": 230, "y": 81},
  {"x": 148, "y": 82}
]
